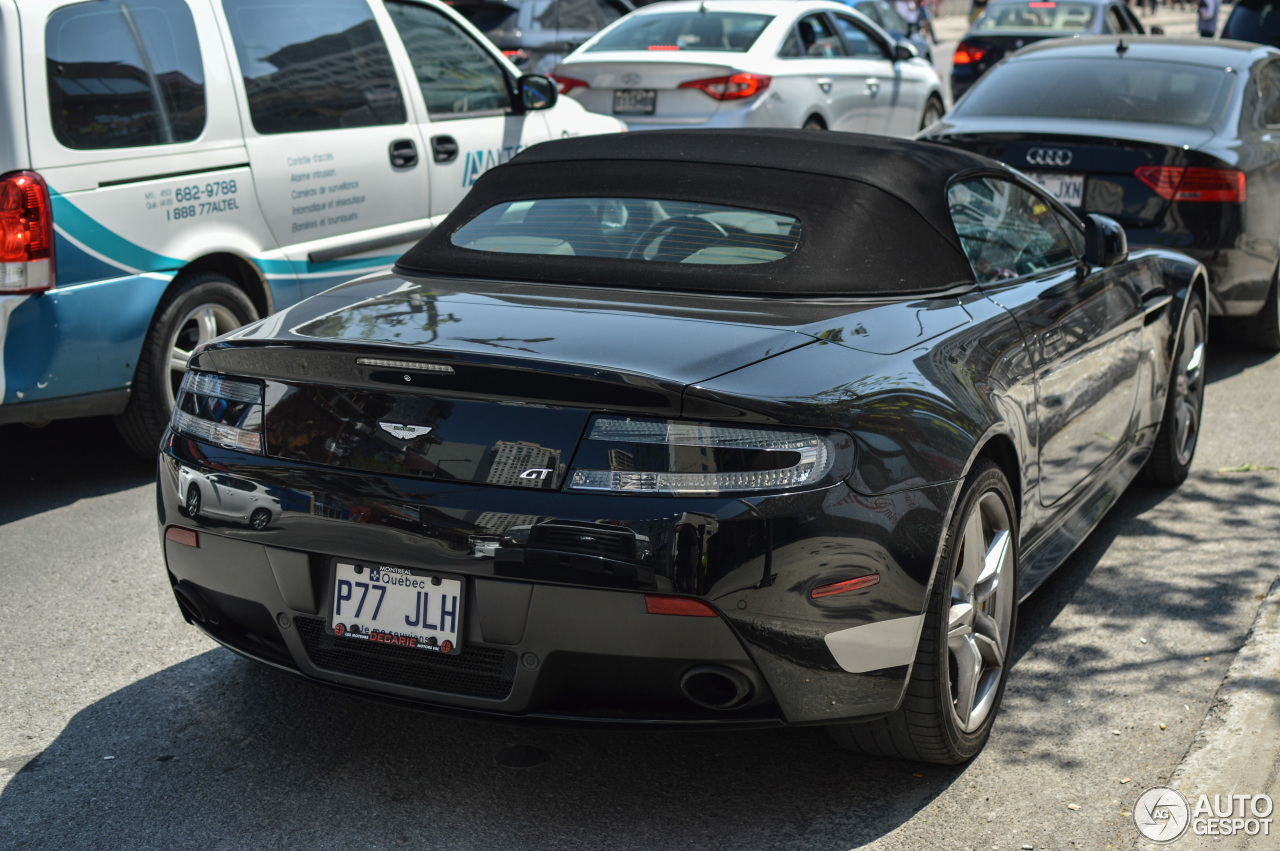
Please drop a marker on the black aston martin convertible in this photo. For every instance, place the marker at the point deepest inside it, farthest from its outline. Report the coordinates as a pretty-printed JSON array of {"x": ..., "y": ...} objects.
[{"x": 691, "y": 427}]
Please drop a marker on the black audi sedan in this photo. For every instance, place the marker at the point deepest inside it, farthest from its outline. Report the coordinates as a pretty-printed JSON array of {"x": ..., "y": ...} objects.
[
  {"x": 1173, "y": 138},
  {"x": 1007, "y": 25},
  {"x": 709, "y": 428}
]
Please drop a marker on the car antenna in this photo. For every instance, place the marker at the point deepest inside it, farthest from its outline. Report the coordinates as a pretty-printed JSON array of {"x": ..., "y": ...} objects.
[{"x": 1121, "y": 47}]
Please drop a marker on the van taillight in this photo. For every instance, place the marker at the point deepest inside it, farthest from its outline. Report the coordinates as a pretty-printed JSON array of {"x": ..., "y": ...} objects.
[{"x": 26, "y": 234}]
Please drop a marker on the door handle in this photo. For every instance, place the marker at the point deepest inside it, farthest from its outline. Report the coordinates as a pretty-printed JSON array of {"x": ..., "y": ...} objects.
[
  {"x": 444, "y": 149},
  {"x": 873, "y": 86},
  {"x": 403, "y": 153},
  {"x": 824, "y": 83}
]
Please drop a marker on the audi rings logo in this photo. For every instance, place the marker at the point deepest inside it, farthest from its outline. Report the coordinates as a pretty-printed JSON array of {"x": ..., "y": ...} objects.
[{"x": 1049, "y": 156}]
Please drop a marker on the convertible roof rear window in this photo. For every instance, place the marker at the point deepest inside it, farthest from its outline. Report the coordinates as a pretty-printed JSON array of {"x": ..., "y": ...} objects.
[
  {"x": 730, "y": 32},
  {"x": 1116, "y": 90},
  {"x": 635, "y": 229}
]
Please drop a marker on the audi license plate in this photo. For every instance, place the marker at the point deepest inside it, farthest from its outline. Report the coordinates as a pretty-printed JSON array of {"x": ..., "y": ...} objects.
[
  {"x": 634, "y": 101},
  {"x": 397, "y": 606},
  {"x": 1067, "y": 188}
]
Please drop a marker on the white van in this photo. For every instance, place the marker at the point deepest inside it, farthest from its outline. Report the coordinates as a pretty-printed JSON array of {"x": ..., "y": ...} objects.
[{"x": 172, "y": 169}]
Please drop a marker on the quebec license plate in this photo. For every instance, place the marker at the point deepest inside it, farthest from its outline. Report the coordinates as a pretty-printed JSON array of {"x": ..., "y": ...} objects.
[
  {"x": 1067, "y": 188},
  {"x": 635, "y": 101},
  {"x": 397, "y": 606}
]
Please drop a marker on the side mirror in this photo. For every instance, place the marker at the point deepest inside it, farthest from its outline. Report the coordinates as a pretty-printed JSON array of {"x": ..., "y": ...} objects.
[
  {"x": 536, "y": 92},
  {"x": 904, "y": 51},
  {"x": 1104, "y": 241}
]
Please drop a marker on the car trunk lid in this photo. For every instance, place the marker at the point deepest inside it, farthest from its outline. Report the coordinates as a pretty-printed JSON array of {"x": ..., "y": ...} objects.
[{"x": 637, "y": 70}]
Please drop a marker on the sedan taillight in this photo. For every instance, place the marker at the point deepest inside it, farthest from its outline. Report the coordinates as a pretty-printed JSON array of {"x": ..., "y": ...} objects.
[
  {"x": 733, "y": 87},
  {"x": 967, "y": 54},
  {"x": 1181, "y": 183},
  {"x": 226, "y": 412},
  {"x": 26, "y": 234},
  {"x": 568, "y": 84}
]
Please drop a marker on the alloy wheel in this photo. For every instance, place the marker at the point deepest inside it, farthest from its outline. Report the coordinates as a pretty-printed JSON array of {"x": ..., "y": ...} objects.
[
  {"x": 980, "y": 616},
  {"x": 1188, "y": 389},
  {"x": 201, "y": 324}
]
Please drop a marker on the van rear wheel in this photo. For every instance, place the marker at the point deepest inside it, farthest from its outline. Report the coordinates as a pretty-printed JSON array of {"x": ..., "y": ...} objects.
[{"x": 196, "y": 309}]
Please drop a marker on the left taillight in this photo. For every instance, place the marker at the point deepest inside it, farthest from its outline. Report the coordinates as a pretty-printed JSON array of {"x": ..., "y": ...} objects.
[
  {"x": 733, "y": 87},
  {"x": 641, "y": 455},
  {"x": 226, "y": 412},
  {"x": 568, "y": 84},
  {"x": 1180, "y": 183},
  {"x": 26, "y": 234}
]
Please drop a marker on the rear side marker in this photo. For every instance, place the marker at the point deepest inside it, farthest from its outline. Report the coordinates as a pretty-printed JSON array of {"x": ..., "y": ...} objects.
[
  {"x": 844, "y": 586},
  {"x": 657, "y": 605},
  {"x": 178, "y": 535}
]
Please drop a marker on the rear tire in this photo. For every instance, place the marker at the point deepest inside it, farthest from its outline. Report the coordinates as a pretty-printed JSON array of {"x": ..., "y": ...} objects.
[
  {"x": 962, "y": 660},
  {"x": 1179, "y": 431},
  {"x": 197, "y": 308},
  {"x": 1263, "y": 330},
  {"x": 933, "y": 111}
]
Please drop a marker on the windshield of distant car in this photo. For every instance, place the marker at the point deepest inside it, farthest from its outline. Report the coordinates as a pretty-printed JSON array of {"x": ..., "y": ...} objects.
[
  {"x": 632, "y": 229},
  {"x": 731, "y": 32},
  {"x": 1105, "y": 89},
  {"x": 1060, "y": 17}
]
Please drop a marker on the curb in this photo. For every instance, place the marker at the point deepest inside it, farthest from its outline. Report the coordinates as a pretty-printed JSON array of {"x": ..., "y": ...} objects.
[{"x": 1237, "y": 749}]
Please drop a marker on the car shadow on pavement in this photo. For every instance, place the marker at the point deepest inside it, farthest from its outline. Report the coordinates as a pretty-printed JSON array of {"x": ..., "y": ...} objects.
[
  {"x": 1225, "y": 361},
  {"x": 219, "y": 752},
  {"x": 65, "y": 461}
]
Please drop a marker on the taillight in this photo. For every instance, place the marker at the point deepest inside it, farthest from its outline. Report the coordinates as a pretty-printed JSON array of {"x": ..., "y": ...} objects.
[
  {"x": 1195, "y": 183},
  {"x": 733, "y": 87},
  {"x": 639, "y": 456},
  {"x": 26, "y": 234},
  {"x": 226, "y": 412},
  {"x": 967, "y": 54},
  {"x": 568, "y": 84},
  {"x": 686, "y": 606},
  {"x": 516, "y": 55}
]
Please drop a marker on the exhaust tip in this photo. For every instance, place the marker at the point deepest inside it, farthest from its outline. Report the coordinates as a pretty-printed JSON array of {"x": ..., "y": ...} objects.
[
  {"x": 193, "y": 603},
  {"x": 716, "y": 687}
]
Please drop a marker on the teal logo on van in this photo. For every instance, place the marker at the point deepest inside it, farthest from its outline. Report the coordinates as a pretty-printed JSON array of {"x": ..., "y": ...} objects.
[{"x": 477, "y": 163}]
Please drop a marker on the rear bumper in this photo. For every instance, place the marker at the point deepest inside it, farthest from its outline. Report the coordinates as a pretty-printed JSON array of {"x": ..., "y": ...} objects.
[{"x": 558, "y": 634}]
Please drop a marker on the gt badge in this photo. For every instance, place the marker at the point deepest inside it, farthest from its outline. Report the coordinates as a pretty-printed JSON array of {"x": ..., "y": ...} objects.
[{"x": 404, "y": 432}]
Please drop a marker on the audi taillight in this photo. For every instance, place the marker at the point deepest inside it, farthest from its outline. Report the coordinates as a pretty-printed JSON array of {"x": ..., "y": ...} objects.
[
  {"x": 1194, "y": 183},
  {"x": 733, "y": 87},
  {"x": 226, "y": 412},
  {"x": 967, "y": 54},
  {"x": 568, "y": 84},
  {"x": 26, "y": 234}
]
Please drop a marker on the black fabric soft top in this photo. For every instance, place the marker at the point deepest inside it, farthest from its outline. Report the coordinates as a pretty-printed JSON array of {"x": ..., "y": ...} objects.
[{"x": 873, "y": 210}]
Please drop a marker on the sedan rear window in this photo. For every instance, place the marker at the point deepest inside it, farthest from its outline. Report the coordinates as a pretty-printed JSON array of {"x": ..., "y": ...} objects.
[
  {"x": 1038, "y": 15},
  {"x": 1115, "y": 90},
  {"x": 731, "y": 32},
  {"x": 642, "y": 230}
]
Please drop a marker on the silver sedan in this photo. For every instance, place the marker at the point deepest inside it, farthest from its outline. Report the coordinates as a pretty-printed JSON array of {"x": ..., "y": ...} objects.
[{"x": 746, "y": 63}]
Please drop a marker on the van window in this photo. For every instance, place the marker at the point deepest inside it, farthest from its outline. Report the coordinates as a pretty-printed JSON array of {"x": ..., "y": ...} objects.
[
  {"x": 313, "y": 65},
  {"x": 456, "y": 75},
  {"x": 124, "y": 75}
]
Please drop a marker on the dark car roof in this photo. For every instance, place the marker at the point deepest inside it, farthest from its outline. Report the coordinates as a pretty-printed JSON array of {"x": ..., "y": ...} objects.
[
  {"x": 873, "y": 210},
  {"x": 1218, "y": 53}
]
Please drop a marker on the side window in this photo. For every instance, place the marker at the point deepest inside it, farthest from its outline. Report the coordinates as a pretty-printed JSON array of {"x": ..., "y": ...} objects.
[
  {"x": 791, "y": 47},
  {"x": 872, "y": 11},
  {"x": 124, "y": 75},
  {"x": 313, "y": 65},
  {"x": 861, "y": 43},
  {"x": 575, "y": 14},
  {"x": 817, "y": 38},
  {"x": 1006, "y": 231},
  {"x": 1075, "y": 236},
  {"x": 456, "y": 75},
  {"x": 1269, "y": 95}
]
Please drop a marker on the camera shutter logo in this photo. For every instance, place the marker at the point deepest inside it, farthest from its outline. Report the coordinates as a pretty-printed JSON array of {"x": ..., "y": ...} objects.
[{"x": 1162, "y": 814}]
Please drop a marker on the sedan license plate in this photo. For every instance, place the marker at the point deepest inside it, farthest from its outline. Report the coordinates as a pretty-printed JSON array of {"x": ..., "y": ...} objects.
[
  {"x": 1067, "y": 188},
  {"x": 635, "y": 101},
  {"x": 397, "y": 606}
]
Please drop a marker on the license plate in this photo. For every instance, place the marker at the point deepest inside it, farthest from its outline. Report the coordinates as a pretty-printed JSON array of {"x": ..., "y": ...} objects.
[
  {"x": 634, "y": 101},
  {"x": 397, "y": 606},
  {"x": 1067, "y": 188}
]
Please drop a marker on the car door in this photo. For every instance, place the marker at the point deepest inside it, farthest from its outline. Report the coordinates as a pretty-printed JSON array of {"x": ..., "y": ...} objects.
[
  {"x": 1083, "y": 326},
  {"x": 895, "y": 94},
  {"x": 335, "y": 158},
  {"x": 818, "y": 75},
  {"x": 464, "y": 98}
]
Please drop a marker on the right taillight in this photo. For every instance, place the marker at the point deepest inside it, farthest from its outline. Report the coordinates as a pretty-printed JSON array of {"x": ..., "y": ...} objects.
[
  {"x": 1194, "y": 183},
  {"x": 226, "y": 412},
  {"x": 967, "y": 54},
  {"x": 26, "y": 234}
]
